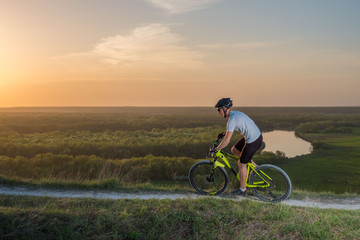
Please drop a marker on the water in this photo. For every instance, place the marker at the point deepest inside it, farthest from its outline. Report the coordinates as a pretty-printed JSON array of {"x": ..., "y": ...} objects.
[{"x": 287, "y": 142}]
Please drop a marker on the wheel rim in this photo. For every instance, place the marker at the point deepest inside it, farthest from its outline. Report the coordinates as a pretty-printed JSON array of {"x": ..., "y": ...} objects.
[
  {"x": 204, "y": 183},
  {"x": 278, "y": 189}
]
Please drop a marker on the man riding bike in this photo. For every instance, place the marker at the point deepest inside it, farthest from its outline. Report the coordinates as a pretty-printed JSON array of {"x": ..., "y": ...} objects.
[{"x": 246, "y": 147}]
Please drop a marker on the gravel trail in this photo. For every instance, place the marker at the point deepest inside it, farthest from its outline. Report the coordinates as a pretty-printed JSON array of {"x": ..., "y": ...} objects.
[{"x": 349, "y": 204}]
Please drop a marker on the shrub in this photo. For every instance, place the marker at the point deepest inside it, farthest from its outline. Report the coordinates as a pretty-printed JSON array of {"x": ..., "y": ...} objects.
[
  {"x": 318, "y": 145},
  {"x": 84, "y": 168}
]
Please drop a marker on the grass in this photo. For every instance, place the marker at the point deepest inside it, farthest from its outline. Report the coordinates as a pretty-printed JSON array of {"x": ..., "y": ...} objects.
[
  {"x": 106, "y": 184},
  {"x": 151, "y": 187},
  {"x": 334, "y": 168},
  {"x": 207, "y": 218}
]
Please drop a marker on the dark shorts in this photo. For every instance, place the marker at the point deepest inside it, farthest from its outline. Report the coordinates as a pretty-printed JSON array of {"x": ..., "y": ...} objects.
[{"x": 247, "y": 150}]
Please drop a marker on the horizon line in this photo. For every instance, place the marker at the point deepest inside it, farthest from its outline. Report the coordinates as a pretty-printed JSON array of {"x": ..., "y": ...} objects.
[{"x": 173, "y": 106}]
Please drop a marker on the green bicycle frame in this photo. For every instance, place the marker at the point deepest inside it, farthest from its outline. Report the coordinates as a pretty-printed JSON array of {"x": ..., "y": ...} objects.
[{"x": 223, "y": 156}]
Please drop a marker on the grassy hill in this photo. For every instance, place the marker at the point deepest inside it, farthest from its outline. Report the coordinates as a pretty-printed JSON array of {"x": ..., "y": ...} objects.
[
  {"x": 107, "y": 148},
  {"x": 206, "y": 218}
]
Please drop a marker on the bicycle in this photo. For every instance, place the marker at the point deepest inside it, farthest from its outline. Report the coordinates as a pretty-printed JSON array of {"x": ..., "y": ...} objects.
[{"x": 267, "y": 182}]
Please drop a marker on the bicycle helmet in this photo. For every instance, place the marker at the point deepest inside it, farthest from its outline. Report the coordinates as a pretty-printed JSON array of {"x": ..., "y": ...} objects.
[{"x": 224, "y": 102}]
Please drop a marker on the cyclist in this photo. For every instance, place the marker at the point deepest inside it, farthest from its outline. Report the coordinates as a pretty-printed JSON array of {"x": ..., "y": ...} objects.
[{"x": 246, "y": 147}]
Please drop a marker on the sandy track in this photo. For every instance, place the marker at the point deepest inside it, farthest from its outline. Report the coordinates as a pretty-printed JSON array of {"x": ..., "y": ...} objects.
[{"x": 349, "y": 204}]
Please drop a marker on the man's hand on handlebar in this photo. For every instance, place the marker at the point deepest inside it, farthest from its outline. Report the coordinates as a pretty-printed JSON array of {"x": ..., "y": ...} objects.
[
  {"x": 212, "y": 151},
  {"x": 221, "y": 135}
]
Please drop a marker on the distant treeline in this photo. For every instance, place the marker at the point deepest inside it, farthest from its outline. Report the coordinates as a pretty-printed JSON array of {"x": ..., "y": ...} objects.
[
  {"x": 185, "y": 142},
  {"x": 343, "y": 126},
  {"x": 151, "y": 111},
  {"x": 132, "y": 119},
  {"x": 96, "y": 122}
]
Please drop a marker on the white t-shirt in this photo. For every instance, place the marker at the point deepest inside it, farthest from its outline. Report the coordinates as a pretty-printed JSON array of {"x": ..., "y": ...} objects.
[{"x": 239, "y": 121}]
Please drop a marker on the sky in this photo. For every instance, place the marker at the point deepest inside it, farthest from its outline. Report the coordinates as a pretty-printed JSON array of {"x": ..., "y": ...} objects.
[{"x": 179, "y": 52}]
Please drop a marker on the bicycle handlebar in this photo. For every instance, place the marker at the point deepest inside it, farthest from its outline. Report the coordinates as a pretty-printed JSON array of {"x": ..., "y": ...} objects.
[{"x": 216, "y": 143}]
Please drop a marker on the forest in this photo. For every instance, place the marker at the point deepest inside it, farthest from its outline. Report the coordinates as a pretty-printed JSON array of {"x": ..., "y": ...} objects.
[{"x": 140, "y": 144}]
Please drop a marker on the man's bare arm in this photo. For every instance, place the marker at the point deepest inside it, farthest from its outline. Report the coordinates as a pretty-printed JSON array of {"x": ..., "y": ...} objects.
[{"x": 225, "y": 141}]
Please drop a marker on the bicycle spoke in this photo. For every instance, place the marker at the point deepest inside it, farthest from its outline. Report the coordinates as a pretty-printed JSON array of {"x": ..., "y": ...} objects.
[
  {"x": 279, "y": 185},
  {"x": 208, "y": 180}
]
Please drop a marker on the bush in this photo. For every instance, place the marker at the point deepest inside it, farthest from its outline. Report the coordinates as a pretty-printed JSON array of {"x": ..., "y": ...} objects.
[
  {"x": 333, "y": 129},
  {"x": 323, "y": 127},
  {"x": 269, "y": 157},
  {"x": 316, "y": 145},
  {"x": 84, "y": 168}
]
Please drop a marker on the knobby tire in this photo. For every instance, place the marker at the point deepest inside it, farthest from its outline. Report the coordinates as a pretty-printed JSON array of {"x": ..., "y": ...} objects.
[
  {"x": 280, "y": 184},
  {"x": 201, "y": 179}
]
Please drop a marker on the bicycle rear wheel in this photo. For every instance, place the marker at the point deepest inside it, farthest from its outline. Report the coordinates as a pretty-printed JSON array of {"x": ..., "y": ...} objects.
[
  {"x": 208, "y": 180},
  {"x": 280, "y": 184}
]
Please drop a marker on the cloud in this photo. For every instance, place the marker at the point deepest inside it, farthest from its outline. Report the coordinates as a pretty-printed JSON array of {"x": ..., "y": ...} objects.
[
  {"x": 244, "y": 45},
  {"x": 150, "y": 46},
  {"x": 181, "y": 6}
]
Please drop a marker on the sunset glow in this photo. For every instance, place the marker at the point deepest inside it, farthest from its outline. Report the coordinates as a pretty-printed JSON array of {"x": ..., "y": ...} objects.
[{"x": 179, "y": 53}]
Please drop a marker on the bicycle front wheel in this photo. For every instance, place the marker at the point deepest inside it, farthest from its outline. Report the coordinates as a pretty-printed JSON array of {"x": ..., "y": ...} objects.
[
  {"x": 273, "y": 184},
  {"x": 208, "y": 180}
]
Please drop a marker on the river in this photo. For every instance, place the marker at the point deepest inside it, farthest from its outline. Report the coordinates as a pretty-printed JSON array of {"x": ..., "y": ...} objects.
[{"x": 287, "y": 142}]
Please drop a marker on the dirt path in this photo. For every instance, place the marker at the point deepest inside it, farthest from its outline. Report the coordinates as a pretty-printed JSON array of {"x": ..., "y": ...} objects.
[{"x": 350, "y": 204}]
